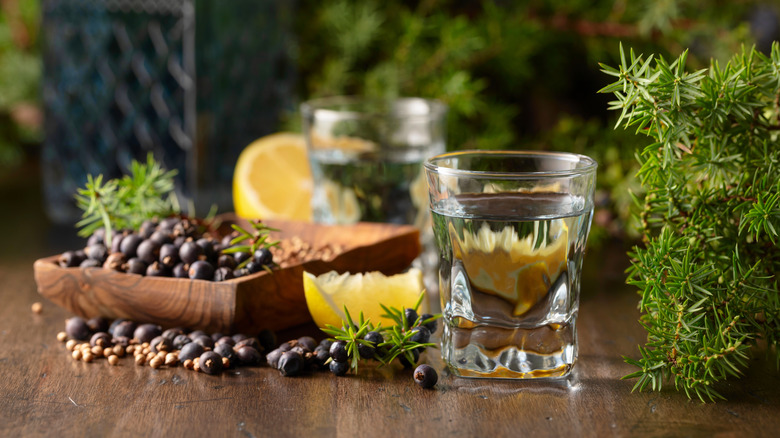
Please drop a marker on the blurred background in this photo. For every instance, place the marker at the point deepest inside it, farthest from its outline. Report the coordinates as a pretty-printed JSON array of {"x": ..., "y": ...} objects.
[{"x": 88, "y": 85}]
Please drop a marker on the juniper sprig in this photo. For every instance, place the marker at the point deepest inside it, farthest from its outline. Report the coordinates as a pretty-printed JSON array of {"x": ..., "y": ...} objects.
[{"x": 709, "y": 216}]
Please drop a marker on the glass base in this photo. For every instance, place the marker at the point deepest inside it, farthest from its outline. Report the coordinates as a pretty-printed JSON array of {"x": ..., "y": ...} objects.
[{"x": 510, "y": 353}]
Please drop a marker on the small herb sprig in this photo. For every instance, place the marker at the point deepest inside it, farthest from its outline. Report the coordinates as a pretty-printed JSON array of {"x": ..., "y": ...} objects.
[
  {"x": 147, "y": 192},
  {"x": 397, "y": 337},
  {"x": 251, "y": 241}
]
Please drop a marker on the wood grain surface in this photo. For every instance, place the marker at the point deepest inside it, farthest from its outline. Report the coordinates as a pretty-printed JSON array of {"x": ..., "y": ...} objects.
[
  {"x": 43, "y": 392},
  {"x": 258, "y": 301}
]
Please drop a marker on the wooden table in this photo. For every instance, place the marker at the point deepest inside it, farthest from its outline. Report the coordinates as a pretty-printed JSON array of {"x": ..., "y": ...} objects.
[{"x": 43, "y": 392}]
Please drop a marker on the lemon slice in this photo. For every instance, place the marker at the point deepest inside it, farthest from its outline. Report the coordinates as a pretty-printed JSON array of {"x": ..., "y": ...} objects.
[
  {"x": 272, "y": 179},
  {"x": 327, "y": 294},
  {"x": 503, "y": 264}
]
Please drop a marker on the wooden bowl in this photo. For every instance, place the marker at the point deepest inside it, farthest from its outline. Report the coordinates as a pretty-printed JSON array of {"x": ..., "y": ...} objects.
[{"x": 248, "y": 304}]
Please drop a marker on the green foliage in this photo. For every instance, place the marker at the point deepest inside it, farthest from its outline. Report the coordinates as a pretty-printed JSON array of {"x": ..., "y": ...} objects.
[
  {"x": 398, "y": 338},
  {"x": 250, "y": 241},
  {"x": 710, "y": 217},
  {"x": 20, "y": 73},
  {"x": 147, "y": 192},
  {"x": 515, "y": 75}
]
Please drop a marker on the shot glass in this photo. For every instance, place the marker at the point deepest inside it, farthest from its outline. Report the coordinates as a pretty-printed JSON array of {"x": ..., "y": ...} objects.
[
  {"x": 366, "y": 157},
  {"x": 510, "y": 228}
]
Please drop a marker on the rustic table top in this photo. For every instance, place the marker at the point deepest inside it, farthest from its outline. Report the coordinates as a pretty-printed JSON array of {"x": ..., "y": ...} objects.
[{"x": 45, "y": 392}]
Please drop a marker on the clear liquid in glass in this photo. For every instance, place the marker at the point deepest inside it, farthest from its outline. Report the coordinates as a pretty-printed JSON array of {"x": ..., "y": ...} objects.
[{"x": 509, "y": 282}]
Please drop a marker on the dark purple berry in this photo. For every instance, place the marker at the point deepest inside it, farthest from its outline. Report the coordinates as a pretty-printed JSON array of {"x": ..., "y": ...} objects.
[
  {"x": 222, "y": 274},
  {"x": 225, "y": 340},
  {"x": 97, "y": 252},
  {"x": 205, "y": 341},
  {"x": 321, "y": 355},
  {"x": 254, "y": 267},
  {"x": 411, "y": 317},
  {"x": 115, "y": 323},
  {"x": 97, "y": 237},
  {"x": 180, "y": 341},
  {"x": 190, "y": 252},
  {"x": 421, "y": 335},
  {"x": 168, "y": 223},
  {"x": 158, "y": 270},
  {"x": 338, "y": 368},
  {"x": 161, "y": 343},
  {"x": 71, "y": 259},
  {"x": 161, "y": 237},
  {"x": 130, "y": 244},
  {"x": 77, "y": 328},
  {"x": 308, "y": 343},
  {"x": 248, "y": 356},
  {"x": 238, "y": 337},
  {"x": 171, "y": 333},
  {"x": 430, "y": 325},
  {"x": 126, "y": 328},
  {"x": 116, "y": 242},
  {"x": 169, "y": 255},
  {"x": 98, "y": 324},
  {"x": 136, "y": 266},
  {"x": 338, "y": 351},
  {"x": 147, "y": 332},
  {"x": 326, "y": 343},
  {"x": 425, "y": 376},
  {"x": 207, "y": 246},
  {"x": 290, "y": 363},
  {"x": 227, "y": 351},
  {"x": 251, "y": 342},
  {"x": 190, "y": 351},
  {"x": 273, "y": 358},
  {"x": 181, "y": 271},
  {"x": 201, "y": 270},
  {"x": 148, "y": 251},
  {"x": 227, "y": 261},
  {"x": 264, "y": 256},
  {"x": 147, "y": 228},
  {"x": 243, "y": 272},
  {"x": 196, "y": 333},
  {"x": 241, "y": 257},
  {"x": 210, "y": 363},
  {"x": 90, "y": 263},
  {"x": 100, "y": 339}
]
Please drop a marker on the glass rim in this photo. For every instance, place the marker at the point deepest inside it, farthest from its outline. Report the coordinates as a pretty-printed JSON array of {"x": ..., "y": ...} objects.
[
  {"x": 322, "y": 108},
  {"x": 589, "y": 166}
]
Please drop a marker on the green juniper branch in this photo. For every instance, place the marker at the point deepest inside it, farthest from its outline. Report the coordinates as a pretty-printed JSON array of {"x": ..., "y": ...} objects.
[{"x": 710, "y": 215}]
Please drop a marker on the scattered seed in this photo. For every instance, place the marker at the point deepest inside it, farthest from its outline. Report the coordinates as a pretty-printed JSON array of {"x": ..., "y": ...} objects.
[
  {"x": 97, "y": 351},
  {"x": 140, "y": 359},
  {"x": 113, "y": 360},
  {"x": 118, "y": 350},
  {"x": 76, "y": 354},
  {"x": 88, "y": 357},
  {"x": 108, "y": 351},
  {"x": 62, "y": 336},
  {"x": 156, "y": 362},
  {"x": 171, "y": 359},
  {"x": 37, "y": 308},
  {"x": 71, "y": 344},
  {"x": 188, "y": 364},
  {"x": 130, "y": 349},
  {"x": 225, "y": 362}
]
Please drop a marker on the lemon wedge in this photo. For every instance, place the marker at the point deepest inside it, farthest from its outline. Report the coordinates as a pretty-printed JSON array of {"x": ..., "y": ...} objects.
[
  {"x": 327, "y": 294},
  {"x": 272, "y": 179},
  {"x": 503, "y": 264}
]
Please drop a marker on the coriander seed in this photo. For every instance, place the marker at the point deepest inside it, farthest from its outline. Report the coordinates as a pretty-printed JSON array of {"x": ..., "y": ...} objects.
[
  {"x": 88, "y": 357},
  {"x": 156, "y": 362},
  {"x": 171, "y": 359},
  {"x": 76, "y": 354},
  {"x": 119, "y": 351},
  {"x": 62, "y": 336},
  {"x": 113, "y": 360},
  {"x": 140, "y": 359},
  {"x": 188, "y": 364},
  {"x": 37, "y": 308},
  {"x": 71, "y": 344}
]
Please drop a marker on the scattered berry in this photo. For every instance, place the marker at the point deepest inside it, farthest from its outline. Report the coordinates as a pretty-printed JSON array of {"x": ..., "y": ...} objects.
[{"x": 425, "y": 376}]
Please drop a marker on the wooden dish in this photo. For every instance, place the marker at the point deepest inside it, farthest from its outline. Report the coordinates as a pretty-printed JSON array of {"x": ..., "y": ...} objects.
[{"x": 248, "y": 304}]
